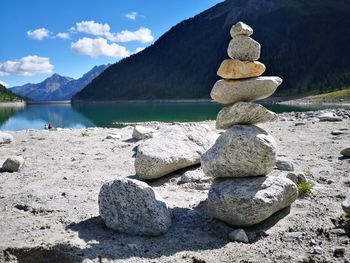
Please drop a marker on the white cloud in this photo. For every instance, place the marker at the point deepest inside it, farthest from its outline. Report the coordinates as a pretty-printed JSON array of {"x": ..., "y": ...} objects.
[
  {"x": 38, "y": 34},
  {"x": 63, "y": 35},
  {"x": 131, "y": 16},
  {"x": 99, "y": 47},
  {"x": 26, "y": 66},
  {"x": 91, "y": 27},
  {"x": 143, "y": 34},
  {"x": 4, "y": 84},
  {"x": 139, "y": 49}
]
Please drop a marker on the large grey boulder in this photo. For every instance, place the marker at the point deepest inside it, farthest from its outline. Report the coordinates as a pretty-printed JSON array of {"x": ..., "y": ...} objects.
[
  {"x": 248, "y": 201},
  {"x": 244, "y": 113},
  {"x": 133, "y": 207},
  {"x": 171, "y": 149},
  {"x": 232, "y": 91},
  {"x": 244, "y": 48},
  {"x": 241, "y": 28},
  {"x": 13, "y": 164},
  {"x": 5, "y": 138},
  {"x": 141, "y": 132},
  {"x": 238, "y": 235},
  {"x": 242, "y": 151}
]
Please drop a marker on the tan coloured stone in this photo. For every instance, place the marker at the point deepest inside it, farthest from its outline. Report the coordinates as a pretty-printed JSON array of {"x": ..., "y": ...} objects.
[
  {"x": 236, "y": 69},
  {"x": 232, "y": 91}
]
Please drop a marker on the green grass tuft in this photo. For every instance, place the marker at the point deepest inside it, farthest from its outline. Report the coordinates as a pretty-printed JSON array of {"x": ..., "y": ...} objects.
[
  {"x": 304, "y": 188},
  {"x": 84, "y": 134}
]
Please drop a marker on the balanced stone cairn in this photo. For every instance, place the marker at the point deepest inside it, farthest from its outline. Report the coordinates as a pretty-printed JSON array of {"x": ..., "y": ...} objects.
[{"x": 242, "y": 194}]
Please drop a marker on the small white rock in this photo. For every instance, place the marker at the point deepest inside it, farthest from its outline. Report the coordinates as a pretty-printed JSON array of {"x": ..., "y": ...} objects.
[
  {"x": 113, "y": 136},
  {"x": 241, "y": 28},
  {"x": 238, "y": 235},
  {"x": 317, "y": 250},
  {"x": 330, "y": 117},
  {"x": 284, "y": 165},
  {"x": 141, "y": 133},
  {"x": 192, "y": 176},
  {"x": 5, "y": 137}
]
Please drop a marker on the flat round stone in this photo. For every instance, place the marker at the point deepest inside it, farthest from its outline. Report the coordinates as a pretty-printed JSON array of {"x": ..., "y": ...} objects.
[
  {"x": 243, "y": 113},
  {"x": 232, "y": 91},
  {"x": 248, "y": 201}
]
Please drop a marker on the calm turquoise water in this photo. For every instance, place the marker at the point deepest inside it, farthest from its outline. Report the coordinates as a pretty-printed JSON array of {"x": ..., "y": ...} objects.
[{"x": 113, "y": 115}]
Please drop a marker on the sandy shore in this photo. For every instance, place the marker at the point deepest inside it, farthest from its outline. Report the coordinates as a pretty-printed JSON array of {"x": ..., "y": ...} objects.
[
  {"x": 323, "y": 102},
  {"x": 49, "y": 210},
  {"x": 12, "y": 104}
]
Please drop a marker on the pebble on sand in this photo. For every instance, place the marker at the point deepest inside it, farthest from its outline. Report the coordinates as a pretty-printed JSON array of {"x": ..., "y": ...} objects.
[{"x": 13, "y": 164}]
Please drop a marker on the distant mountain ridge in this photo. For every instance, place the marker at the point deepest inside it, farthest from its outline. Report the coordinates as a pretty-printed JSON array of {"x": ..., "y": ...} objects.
[
  {"x": 57, "y": 87},
  {"x": 304, "y": 42}
]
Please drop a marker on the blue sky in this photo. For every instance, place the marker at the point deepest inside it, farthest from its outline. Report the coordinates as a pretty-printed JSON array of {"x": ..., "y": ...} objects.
[{"x": 69, "y": 37}]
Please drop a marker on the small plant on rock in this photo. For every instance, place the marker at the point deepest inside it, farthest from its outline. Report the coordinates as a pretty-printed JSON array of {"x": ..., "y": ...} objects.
[{"x": 304, "y": 188}]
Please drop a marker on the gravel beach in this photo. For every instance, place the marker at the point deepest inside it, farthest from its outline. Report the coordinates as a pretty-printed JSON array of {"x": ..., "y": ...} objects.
[{"x": 49, "y": 209}]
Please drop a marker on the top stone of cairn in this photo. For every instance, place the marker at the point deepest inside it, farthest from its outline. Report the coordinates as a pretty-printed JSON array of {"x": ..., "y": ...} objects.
[{"x": 241, "y": 28}]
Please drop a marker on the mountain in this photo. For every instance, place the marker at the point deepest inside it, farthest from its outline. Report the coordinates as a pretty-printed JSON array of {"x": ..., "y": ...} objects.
[
  {"x": 67, "y": 91},
  {"x": 42, "y": 90},
  {"x": 7, "y": 95},
  {"x": 304, "y": 42},
  {"x": 57, "y": 87}
]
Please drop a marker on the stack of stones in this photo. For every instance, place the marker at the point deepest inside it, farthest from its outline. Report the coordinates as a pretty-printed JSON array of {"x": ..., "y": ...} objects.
[{"x": 242, "y": 194}]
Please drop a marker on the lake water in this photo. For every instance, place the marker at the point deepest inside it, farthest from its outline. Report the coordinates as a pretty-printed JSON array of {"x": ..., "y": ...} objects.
[{"x": 35, "y": 116}]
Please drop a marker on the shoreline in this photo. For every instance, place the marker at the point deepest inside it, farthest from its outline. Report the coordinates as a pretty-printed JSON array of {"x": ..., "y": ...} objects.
[
  {"x": 294, "y": 115},
  {"x": 12, "y": 104},
  {"x": 304, "y": 101},
  {"x": 272, "y": 100},
  {"x": 80, "y": 102}
]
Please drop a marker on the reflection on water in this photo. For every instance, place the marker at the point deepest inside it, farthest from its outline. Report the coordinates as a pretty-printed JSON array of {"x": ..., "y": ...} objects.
[
  {"x": 36, "y": 116},
  {"x": 7, "y": 112},
  {"x": 107, "y": 115},
  {"x": 113, "y": 114}
]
